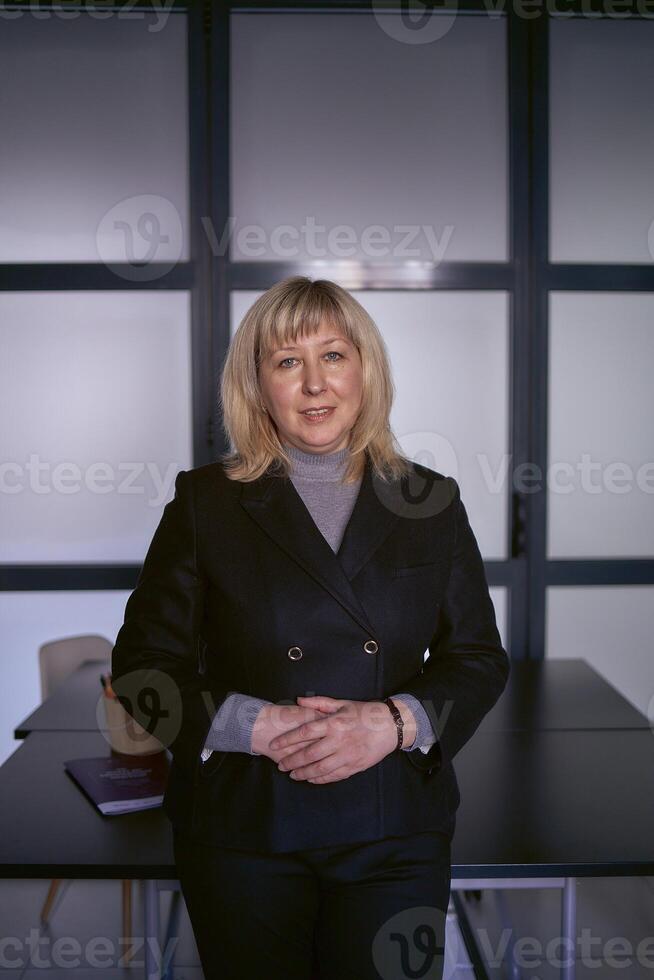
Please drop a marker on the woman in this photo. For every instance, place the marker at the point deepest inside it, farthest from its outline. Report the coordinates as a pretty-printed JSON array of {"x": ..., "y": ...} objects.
[{"x": 275, "y": 642}]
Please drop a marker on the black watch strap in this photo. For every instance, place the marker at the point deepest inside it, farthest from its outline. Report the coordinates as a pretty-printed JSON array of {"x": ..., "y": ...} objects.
[{"x": 397, "y": 718}]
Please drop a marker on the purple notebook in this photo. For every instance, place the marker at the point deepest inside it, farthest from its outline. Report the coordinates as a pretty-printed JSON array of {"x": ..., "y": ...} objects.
[{"x": 122, "y": 783}]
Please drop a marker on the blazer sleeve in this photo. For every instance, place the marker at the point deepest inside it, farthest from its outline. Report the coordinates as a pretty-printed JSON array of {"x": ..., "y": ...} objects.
[
  {"x": 155, "y": 664},
  {"x": 467, "y": 667}
]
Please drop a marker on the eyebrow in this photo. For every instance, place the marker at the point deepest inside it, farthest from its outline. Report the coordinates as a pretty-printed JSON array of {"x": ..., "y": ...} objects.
[{"x": 331, "y": 340}]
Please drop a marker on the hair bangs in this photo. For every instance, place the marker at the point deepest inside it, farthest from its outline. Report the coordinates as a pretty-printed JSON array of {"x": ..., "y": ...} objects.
[{"x": 301, "y": 315}]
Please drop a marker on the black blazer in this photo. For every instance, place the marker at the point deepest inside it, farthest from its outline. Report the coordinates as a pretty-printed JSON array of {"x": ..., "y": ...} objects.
[{"x": 236, "y": 575}]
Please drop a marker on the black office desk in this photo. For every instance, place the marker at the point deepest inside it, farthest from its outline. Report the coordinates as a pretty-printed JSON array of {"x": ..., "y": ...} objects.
[
  {"x": 557, "y": 802},
  {"x": 553, "y": 803},
  {"x": 72, "y": 706},
  {"x": 60, "y": 833},
  {"x": 54, "y": 831},
  {"x": 539, "y": 696},
  {"x": 539, "y": 808},
  {"x": 563, "y": 695}
]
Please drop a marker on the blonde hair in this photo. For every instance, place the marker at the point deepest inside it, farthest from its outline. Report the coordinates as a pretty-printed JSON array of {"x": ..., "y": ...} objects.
[{"x": 293, "y": 307}]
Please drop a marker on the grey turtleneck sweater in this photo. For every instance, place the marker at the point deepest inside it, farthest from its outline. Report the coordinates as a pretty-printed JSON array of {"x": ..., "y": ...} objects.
[{"x": 317, "y": 478}]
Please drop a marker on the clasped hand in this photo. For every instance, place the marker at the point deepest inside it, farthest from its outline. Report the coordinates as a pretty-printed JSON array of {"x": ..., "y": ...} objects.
[{"x": 326, "y": 739}]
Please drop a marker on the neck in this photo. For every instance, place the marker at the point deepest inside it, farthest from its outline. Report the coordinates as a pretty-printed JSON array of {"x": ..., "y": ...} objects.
[{"x": 317, "y": 465}]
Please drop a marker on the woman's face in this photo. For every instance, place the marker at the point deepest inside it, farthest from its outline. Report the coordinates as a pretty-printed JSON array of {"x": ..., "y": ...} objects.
[{"x": 322, "y": 370}]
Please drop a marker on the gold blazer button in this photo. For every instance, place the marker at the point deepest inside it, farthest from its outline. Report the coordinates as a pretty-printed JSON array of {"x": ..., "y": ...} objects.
[
  {"x": 370, "y": 646},
  {"x": 294, "y": 653}
]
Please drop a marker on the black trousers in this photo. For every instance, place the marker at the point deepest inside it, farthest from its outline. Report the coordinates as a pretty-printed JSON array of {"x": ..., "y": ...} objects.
[{"x": 354, "y": 912}]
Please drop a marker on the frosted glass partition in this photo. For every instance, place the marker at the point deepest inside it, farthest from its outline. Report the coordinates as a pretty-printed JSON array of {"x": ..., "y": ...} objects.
[
  {"x": 601, "y": 406},
  {"x": 449, "y": 357},
  {"x": 610, "y": 627},
  {"x": 30, "y": 619},
  {"x": 94, "y": 148},
  {"x": 95, "y": 421},
  {"x": 500, "y": 597},
  {"x": 352, "y": 139},
  {"x": 601, "y": 140}
]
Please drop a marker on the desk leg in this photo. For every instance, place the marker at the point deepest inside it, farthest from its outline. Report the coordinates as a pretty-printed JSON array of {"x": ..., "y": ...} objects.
[
  {"x": 172, "y": 933},
  {"x": 151, "y": 928},
  {"x": 509, "y": 955},
  {"x": 569, "y": 928}
]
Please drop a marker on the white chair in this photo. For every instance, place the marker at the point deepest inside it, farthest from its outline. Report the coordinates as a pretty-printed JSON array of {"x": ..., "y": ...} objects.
[{"x": 59, "y": 658}]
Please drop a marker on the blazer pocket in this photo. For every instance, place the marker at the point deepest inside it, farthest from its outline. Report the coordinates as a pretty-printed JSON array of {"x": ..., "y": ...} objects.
[
  {"x": 218, "y": 758},
  {"x": 214, "y": 762},
  {"x": 402, "y": 570}
]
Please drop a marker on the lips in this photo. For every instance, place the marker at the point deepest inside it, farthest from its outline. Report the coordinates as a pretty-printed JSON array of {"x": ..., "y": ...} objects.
[{"x": 315, "y": 416}]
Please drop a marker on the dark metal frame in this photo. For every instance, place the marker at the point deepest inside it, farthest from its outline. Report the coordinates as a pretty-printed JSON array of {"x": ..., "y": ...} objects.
[{"x": 527, "y": 276}]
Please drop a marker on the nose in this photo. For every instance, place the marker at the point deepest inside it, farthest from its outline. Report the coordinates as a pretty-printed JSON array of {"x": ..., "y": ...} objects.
[{"x": 313, "y": 381}]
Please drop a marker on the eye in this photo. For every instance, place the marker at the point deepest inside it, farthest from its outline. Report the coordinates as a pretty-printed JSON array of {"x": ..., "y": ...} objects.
[{"x": 338, "y": 357}]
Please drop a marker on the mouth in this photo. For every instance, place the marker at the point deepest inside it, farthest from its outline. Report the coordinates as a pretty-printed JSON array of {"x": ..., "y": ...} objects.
[{"x": 318, "y": 414}]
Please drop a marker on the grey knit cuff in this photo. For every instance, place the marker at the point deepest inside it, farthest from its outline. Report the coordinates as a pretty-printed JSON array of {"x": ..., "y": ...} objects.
[
  {"x": 231, "y": 728},
  {"x": 425, "y": 736}
]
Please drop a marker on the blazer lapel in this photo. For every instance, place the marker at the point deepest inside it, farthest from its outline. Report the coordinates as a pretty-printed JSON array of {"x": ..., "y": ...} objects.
[{"x": 274, "y": 503}]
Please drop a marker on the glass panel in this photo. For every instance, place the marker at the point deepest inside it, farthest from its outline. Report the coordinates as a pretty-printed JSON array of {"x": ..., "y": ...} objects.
[
  {"x": 30, "y": 619},
  {"x": 601, "y": 140},
  {"x": 449, "y": 357},
  {"x": 611, "y": 628},
  {"x": 95, "y": 421},
  {"x": 364, "y": 155},
  {"x": 601, "y": 405},
  {"x": 94, "y": 149},
  {"x": 500, "y": 597}
]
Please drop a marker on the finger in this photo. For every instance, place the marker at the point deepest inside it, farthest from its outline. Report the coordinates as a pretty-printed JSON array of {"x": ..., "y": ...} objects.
[
  {"x": 342, "y": 772},
  {"x": 308, "y": 755},
  {"x": 301, "y": 718},
  {"x": 293, "y": 751},
  {"x": 308, "y": 767},
  {"x": 321, "y": 702},
  {"x": 301, "y": 733}
]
